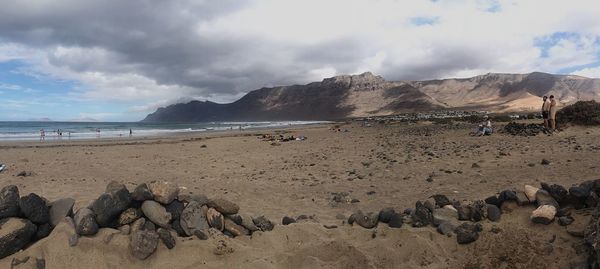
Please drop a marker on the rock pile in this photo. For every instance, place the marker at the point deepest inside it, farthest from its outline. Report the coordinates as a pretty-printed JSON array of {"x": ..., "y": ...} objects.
[
  {"x": 551, "y": 201},
  {"x": 27, "y": 219},
  {"x": 152, "y": 213},
  {"x": 522, "y": 129}
]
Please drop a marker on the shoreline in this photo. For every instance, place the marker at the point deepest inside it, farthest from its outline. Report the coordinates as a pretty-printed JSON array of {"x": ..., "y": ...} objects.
[{"x": 164, "y": 138}]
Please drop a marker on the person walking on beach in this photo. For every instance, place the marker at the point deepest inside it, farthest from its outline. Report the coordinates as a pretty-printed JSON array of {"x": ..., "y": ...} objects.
[
  {"x": 42, "y": 135},
  {"x": 545, "y": 110},
  {"x": 130, "y": 132},
  {"x": 552, "y": 113}
]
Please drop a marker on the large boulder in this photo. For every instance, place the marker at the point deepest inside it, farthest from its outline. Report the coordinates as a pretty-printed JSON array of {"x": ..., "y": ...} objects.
[
  {"x": 164, "y": 192},
  {"x": 85, "y": 222},
  {"x": 15, "y": 233},
  {"x": 59, "y": 209},
  {"x": 226, "y": 207},
  {"x": 110, "y": 205},
  {"x": 143, "y": 243},
  {"x": 156, "y": 213},
  {"x": 9, "y": 202},
  {"x": 34, "y": 208},
  {"x": 193, "y": 218}
]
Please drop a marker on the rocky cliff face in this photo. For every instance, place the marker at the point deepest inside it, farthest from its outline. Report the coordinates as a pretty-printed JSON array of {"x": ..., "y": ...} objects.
[{"x": 369, "y": 95}]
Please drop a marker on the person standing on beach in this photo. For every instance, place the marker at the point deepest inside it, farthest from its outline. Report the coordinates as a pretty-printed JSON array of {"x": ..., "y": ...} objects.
[
  {"x": 552, "y": 113},
  {"x": 545, "y": 110},
  {"x": 130, "y": 132},
  {"x": 42, "y": 135}
]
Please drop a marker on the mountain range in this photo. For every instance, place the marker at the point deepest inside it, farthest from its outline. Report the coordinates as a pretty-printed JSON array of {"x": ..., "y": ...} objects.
[{"x": 366, "y": 94}]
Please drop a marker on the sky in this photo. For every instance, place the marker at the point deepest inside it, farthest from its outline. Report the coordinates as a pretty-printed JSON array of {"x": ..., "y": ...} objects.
[{"x": 114, "y": 60}]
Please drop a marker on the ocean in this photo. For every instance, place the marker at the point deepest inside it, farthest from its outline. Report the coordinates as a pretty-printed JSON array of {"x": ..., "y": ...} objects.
[{"x": 30, "y": 130}]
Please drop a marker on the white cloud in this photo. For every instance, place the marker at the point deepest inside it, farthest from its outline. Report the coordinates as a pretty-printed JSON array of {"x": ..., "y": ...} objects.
[
  {"x": 153, "y": 57},
  {"x": 590, "y": 72}
]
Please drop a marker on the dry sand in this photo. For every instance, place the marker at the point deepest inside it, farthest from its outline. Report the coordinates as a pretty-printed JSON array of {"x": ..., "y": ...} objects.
[{"x": 381, "y": 166}]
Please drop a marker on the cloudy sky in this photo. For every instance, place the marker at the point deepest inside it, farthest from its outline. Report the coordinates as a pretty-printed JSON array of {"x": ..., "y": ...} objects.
[{"x": 115, "y": 60}]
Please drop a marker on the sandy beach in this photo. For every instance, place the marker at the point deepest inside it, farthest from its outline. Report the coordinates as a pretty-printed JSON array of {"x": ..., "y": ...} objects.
[{"x": 386, "y": 165}]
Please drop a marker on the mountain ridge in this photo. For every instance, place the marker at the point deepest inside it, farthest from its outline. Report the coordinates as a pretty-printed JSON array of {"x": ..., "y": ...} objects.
[{"x": 366, "y": 94}]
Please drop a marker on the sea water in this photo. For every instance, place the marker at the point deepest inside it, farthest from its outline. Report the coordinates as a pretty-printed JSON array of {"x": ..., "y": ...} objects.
[{"x": 31, "y": 130}]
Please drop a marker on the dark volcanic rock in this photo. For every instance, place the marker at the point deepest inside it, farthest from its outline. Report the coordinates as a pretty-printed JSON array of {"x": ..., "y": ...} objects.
[
  {"x": 85, "y": 222},
  {"x": 193, "y": 218},
  {"x": 166, "y": 238},
  {"x": 565, "y": 220},
  {"x": 544, "y": 198},
  {"x": 493, "y": 213},
  {"x": 558, "y": 192},
  {"x": 142, "y": 193},
  {"x": 464, "y": 212},
  {"x": 224, "y": 206},
  {"x": 175, "y": 208},
  {"x": 34, "y": 208},
  {"x": 579, "y": 192},
  {"x": 287, "y": 220},
  {"x": 441, "y": 200},
  {"x": 14, "y": 235},
  {"x": 9, "y": 202},
  {"x": 143, "y": 243},
  {"x": 522, "y": 198},
  {"x": 386, "y": 214},
  {"x": 421, "y": 216},
  {"x": 176, "y": 225},
  {"x": 263, "y": 223},
  {"x": 493, "y": 200},
  {"x": 43, "y": 230},
  {"x": 396, "y": 220},
  {"x": 467, "y": 232},
  {"x": 111, "y": 204},
  {"x": 478, "y": 211},
  {"x": 507, "y": 195},
  {"x": 59, "y": 209},
  {"x": 591, "y": 237}
]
